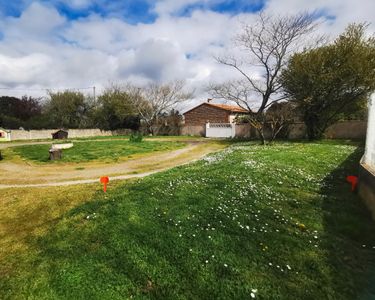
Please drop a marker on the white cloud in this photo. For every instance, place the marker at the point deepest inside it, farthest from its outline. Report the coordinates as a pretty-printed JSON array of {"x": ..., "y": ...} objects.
[
  {"x": 37, "y": 22},
  {"x": 26, "y": 69},
  {"x": 42, "y": 48}
]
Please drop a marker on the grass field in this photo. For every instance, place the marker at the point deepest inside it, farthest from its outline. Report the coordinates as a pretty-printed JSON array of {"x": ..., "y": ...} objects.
[
  {"x": 274, "y": 222},
  {"x": 84, "y": 151},
  {"x": 109, "y": 137}
]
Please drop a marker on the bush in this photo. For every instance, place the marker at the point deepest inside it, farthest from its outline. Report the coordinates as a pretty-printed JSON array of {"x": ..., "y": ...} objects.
[{"x": 136, "y": 137}]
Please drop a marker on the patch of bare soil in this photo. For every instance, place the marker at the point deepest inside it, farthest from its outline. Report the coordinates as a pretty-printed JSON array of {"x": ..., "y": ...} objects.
[{"x": 17, "y": 174}]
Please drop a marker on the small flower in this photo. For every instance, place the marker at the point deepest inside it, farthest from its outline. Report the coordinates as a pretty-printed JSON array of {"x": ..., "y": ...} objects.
[
  {"x": 225, "y": 265},
  {"x": 289, "y": 268}
]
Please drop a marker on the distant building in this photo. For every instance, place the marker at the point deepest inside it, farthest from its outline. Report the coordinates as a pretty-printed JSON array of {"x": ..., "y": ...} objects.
[
  {"x": 367, "y": 166},
  {"x": 212, "y": 113},
  {"x": 60, "y": 134},
  {"x": 4, "y": 134}
]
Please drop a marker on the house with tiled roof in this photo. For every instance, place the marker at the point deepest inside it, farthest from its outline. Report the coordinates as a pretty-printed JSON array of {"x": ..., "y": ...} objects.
[{"x": 208, "y": 112}]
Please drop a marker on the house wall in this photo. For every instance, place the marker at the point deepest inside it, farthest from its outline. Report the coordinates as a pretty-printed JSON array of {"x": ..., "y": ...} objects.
[
  {"x": 202, "y": 114},
  {"x": 367, "y": 164}
]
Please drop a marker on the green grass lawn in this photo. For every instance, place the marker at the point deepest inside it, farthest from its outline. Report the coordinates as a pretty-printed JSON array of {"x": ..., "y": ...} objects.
[
  {"x": 84, "y": 151},
  {"x": 106, "y": 137},
  {"x": 274, "y": 222}
]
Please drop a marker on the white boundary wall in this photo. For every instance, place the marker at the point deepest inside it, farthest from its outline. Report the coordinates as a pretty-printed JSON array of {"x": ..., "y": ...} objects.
[
  {"x": 369, "y": 157},
  {"x": 47, "y": 133},
  {"x": 220, "y": 130}
]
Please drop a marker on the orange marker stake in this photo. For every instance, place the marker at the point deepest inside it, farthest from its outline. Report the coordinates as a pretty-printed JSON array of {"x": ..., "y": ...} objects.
[
  {"x": 104, "y": 180},
  {"x": 353, "y": 180}
]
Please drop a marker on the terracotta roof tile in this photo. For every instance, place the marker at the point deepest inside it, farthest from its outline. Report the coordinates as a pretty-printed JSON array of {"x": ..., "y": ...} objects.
[{"x": 232, "y": 108}]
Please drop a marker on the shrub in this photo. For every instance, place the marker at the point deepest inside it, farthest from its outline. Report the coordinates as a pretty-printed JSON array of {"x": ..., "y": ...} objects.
[{"x": 136, "y": 137}]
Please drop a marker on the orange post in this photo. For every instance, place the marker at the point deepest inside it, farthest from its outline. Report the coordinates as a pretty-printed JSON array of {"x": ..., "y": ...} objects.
[{"x": 104, "y": 180}]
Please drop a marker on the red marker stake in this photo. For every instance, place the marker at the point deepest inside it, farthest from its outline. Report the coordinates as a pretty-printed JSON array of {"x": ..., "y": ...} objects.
[
  {"x": 104, "y": 180},
  {"x": 353, "y": 180}
]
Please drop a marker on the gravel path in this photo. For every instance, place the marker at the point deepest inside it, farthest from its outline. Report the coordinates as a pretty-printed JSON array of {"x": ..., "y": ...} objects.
[{"x": 31, "y": 175}]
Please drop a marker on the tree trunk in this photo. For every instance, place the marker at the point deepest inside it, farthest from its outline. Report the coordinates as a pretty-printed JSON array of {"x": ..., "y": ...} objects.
[
  {"x": 311, "y": 122},
  {"x": 150, "y": 129},
  {"x": 275, "y": 132},
  {"x": 261, "y": 136}
]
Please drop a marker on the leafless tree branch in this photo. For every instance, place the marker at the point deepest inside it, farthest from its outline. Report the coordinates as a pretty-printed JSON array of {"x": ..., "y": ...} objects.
[{"x": 267, "y": 44}]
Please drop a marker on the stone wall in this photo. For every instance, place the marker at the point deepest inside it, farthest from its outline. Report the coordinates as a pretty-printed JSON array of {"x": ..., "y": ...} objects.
[
  {"x": 297, "y": 131},
  {"x": 47, "y": 133},
  {"x": 195, "y": 130},
  {"x": 347, "y": 130},
  {"x": 244, "y": 131},
  {"x": 341, "y": 130}
]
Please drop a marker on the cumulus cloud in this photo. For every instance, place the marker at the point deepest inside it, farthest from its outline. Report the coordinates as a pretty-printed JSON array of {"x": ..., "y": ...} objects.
[
  {"x": 26, "y": 69},
  {"x": 44, "y": 48},
  {"x": 37, "y": 22}
]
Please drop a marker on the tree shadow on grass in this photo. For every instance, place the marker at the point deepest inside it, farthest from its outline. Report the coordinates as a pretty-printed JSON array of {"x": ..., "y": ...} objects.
[
  {"x": 111, "y": 250},
  {"x": 350, "y": 229}
]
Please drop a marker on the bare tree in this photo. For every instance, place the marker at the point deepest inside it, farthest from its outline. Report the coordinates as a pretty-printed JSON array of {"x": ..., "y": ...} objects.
[
  {"x": 268, "y": 45},
  {"x": 156, "y": 99}
]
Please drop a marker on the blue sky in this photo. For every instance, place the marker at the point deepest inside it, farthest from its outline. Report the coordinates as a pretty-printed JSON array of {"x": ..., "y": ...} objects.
[{"x": 136, "y": 11}]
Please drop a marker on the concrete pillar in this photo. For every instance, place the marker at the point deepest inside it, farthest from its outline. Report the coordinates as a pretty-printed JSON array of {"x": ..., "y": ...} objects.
[
  {"x": 369, "y": 157},
  {"x": 367, "y": 166}
]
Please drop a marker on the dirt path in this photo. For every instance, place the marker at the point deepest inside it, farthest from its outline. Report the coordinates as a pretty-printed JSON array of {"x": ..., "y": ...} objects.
[{"x": 31, "y": 175}]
